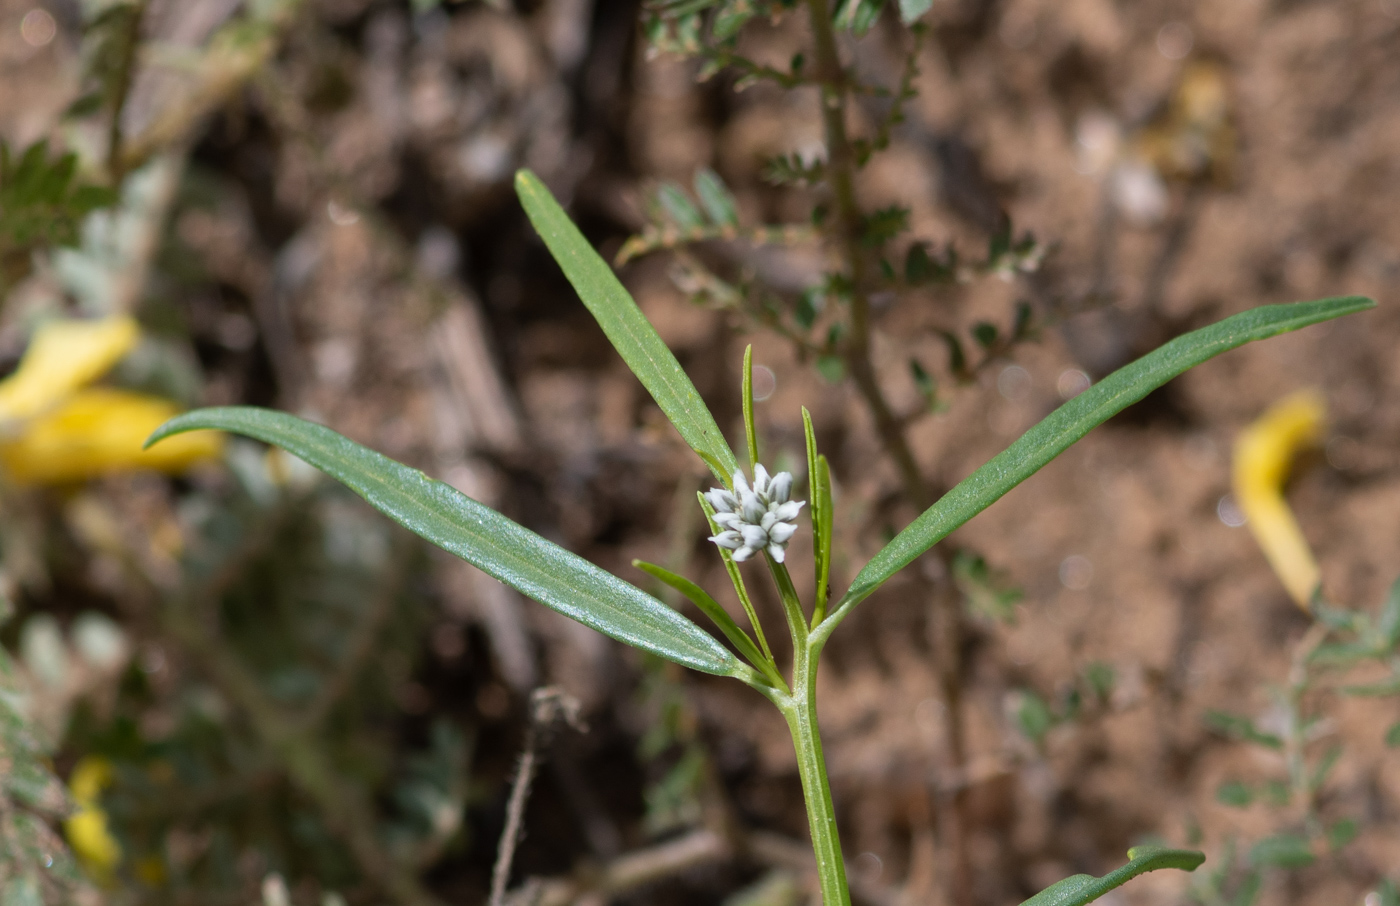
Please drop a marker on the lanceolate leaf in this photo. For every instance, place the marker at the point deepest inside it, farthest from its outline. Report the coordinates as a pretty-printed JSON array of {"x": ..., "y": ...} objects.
[
  {"x": 478, "y": 534},
  {"x": 1075, "y": 418},
  {"x": 627, "y": 328},
  {"x": 1080, "y": 889}
]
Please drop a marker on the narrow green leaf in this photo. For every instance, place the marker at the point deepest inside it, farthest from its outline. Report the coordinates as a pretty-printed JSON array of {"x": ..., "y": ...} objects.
[
  {"x": 626, "y": 327},
  {"x": 712, "y": 609},
  {"x": 1075, "y": 418},
  {"x": 478, "y": 534},
  {"x": 715, "y": 197},
  {"x": 1080, "y": 889},
  {"x": 1392, "y": 736},
  {"x": 909, "y": 10},
  {"x": 750, "y": 430},
  {"x": 823, "y": 539},
  {"x": 814, "y": 510}
]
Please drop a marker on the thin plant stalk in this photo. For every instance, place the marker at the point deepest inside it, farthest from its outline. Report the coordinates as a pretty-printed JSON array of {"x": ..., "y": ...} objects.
[{"x": 800, "y": 711}]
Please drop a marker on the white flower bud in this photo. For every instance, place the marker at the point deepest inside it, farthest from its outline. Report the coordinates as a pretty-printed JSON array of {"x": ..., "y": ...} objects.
[{"x": 758, "y": 517}]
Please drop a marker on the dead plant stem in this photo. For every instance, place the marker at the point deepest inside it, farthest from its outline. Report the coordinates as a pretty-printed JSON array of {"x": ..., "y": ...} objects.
[{"x": 546, "y": 706}]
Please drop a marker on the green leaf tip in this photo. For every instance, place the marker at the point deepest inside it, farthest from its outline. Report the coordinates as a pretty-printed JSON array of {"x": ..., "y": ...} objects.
[
  {"x": 1078, "y": 890},
  {"x": 630, "y": 333},
  {"x": 1071, "y": 421},
  {"x": 500, "y": 547}
]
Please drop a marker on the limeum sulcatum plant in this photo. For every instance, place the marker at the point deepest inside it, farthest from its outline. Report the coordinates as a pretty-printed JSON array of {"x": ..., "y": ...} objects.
[{"x": 762, "y": 514}]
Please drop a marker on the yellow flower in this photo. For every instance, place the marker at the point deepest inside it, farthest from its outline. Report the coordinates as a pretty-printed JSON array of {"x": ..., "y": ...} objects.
[
  {"x": 1263, "y": 454},
  {"x": 86, "y": 828},
  {"x": 63, "y": 356},
  {"x": 52, "y": 430},
  {"x": 98, "y": 431}
]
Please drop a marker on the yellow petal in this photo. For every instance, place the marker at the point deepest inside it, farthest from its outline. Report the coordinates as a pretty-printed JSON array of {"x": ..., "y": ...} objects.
[
  {"x": 86, "y": 829},
  {"x": 1263, "y": 455},
  {"x": 98, "y": 431},
  {"x": 62, "y": 357},
  {"x": 90, "y": 777}
]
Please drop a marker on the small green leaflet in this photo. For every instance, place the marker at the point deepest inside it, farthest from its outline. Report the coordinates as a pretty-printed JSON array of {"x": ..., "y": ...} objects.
[
  {"x": 439, "y": 513},
  {"x": 627, "y": 328}
]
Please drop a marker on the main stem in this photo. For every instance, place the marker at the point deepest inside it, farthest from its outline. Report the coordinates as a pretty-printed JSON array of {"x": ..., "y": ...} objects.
[{"x": 801, "y": 713}]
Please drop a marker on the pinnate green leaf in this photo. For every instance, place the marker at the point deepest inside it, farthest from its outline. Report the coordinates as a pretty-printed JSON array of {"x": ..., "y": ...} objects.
[
  {"x": 439, "y": 513},
  {"x": 1077, "y": 890},
  {"x": 626, "y": 327}
]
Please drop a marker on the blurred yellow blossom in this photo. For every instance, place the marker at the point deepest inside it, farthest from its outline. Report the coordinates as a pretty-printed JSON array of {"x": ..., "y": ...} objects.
[
  {"x": 98, "y": 431},
  {"x": 62, "y": 357},
  {"x": 1263, "y": 454},
  {"x": 86, "y": 828},
  {"x": 52, "y": 430}
]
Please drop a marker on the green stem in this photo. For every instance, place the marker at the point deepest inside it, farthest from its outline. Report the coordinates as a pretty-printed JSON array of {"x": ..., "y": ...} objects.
[{"x": 800, "y": 710}]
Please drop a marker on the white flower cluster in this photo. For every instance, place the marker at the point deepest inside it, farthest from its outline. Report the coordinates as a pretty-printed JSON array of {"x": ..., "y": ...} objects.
[{"x": 756, "y": 518}]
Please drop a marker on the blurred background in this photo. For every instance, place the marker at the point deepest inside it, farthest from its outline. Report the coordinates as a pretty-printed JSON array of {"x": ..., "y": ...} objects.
[{"x": 232, "y": 682}]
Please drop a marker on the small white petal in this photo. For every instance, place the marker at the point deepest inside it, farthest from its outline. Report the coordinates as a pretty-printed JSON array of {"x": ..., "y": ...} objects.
[
  {"x": 788, "y": 511},
  {"x": 780, "y": 489},
  {"x": 782, "y": 532},
  {"x": 760, "y": 480},
  {"x": 754, "y": 536},
  {"x": 741, "y": 487},
  {"x": 776, "y": 552},
  {"x": 744, "y": 553},
  {"x": 753, "y": 508},
  {"x": 729, "y": 520},
  {"x": 722, "y": 500},
  {"x": 769, "y": 519},
  {"x": 728, "y": 540}
]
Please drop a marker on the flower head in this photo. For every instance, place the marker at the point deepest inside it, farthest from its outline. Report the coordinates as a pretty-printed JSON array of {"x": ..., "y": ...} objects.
[{"x": 758, "y": 517}]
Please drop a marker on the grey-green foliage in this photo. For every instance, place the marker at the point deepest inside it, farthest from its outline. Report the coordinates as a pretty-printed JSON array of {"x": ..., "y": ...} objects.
[
  {"x": 35, "y": 865},
  {"x": 565, "y": 582}
]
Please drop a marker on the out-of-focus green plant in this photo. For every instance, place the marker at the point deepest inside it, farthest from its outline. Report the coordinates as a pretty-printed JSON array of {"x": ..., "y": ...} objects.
[
  {"x": 1341, "y": 643},
  {"x": 751, "y": 520},
  {"x": 35, "y": 866},
  {"x": 55, "y": 429},
  {"x": 43, "y": 201},
  {"x": 294, "y": 621}
]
